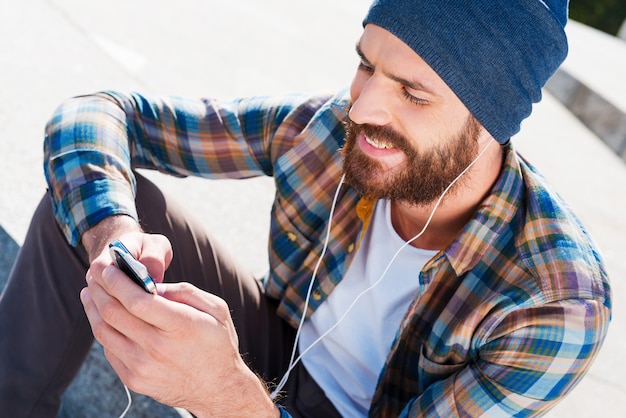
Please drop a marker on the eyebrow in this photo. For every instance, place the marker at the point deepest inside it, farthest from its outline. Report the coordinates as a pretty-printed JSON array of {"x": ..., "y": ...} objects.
[{"x": 412, "y": 84}]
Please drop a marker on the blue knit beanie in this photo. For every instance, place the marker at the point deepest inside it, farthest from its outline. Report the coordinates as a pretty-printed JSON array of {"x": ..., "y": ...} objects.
[{"x": 496, "y": 55}]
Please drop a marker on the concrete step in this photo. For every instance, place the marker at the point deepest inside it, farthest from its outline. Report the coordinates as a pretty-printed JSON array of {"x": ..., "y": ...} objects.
[{"x": 591, "y": 83}]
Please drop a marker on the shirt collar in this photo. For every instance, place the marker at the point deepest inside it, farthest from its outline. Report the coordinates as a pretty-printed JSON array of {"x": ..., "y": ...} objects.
[{"x": 493, "y": 215}]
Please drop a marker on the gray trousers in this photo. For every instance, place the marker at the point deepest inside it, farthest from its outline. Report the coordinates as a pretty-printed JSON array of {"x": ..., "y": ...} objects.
[{"x": 45, "y": 335}]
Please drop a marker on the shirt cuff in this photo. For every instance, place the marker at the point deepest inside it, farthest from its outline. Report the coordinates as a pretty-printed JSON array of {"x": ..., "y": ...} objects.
[{"x": 90, "y": 203}]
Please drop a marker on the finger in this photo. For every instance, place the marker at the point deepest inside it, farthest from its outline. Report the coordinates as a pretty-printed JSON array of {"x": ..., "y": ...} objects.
[
  {"x": 187, "y": 294},
  {"x": 171, "y": 314},
  {"x": 131, "y": 373},
  {"x": 128, "y": 308},
  {"x": 153, "y": 250},
  {"x": 112, "y": 311},
  {"x": 106, "y": 335},
  {"x": 119, "y": 366},
  {"x": 132, "y": 350},
  {"x": 156, "y": 255}
]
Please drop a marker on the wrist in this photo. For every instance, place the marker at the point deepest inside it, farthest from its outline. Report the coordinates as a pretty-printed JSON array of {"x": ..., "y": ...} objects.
[
  {"x": 263, "y": 406},
  {"x": 97, "y": 237},
  {"x": 247, "y": 396},
  {"x": 256, "y": 398}
]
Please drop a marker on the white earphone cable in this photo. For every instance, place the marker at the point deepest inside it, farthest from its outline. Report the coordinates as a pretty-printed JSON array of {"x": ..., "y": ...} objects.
[
  {"x": 130, "y": 402},
  {"x": 293, "y": 362}
]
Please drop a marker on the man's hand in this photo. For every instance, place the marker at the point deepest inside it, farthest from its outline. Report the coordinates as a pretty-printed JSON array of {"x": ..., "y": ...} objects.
[
  {"x": 153, "y": 251},
  {"x": 179, "y": 347}
]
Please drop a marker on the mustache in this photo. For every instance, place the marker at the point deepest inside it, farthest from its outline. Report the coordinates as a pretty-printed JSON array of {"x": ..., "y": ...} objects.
[{"x": 381, "y": 133}]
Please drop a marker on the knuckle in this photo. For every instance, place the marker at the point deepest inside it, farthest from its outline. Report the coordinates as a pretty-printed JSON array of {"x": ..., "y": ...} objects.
[
  {"x": 186, "y": 288},
  {"x": 138, "y": 306},
  {"x": 99, "y": 333},
  {"x": 133, "y": 382},
  {"x": 156, "y": 350},
  {"x": 221, "y": 307},
  {"x": 108, "y": 312}
]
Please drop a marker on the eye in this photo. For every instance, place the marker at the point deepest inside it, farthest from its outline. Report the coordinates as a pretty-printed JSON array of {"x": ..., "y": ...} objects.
[
  {"x": 413, "y": 99},
  {"x": 363, "y": 66}
]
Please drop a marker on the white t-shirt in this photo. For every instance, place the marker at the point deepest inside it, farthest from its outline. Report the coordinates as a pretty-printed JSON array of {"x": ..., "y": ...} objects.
[{"x": 347, "y": 361}]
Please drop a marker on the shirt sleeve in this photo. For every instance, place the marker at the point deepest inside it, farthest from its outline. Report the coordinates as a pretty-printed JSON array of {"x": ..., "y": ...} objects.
[
  {"x": 530, "y": 362},
  {"x": 93, "y": 143}
]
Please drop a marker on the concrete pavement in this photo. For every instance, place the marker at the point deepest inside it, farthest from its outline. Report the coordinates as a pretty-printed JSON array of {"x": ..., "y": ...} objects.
[
  {"x": 55, "y": 49},
  {"x": 590, "y": 84}
]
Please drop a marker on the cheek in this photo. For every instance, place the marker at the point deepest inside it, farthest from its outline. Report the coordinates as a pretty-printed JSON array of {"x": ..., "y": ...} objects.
[{"x": 427, "y": 127}]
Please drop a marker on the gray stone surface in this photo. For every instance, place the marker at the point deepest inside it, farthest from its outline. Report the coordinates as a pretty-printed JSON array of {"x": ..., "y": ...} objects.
[
  {"x": 598, "y": 101},
  {"x": 55, "y": 49},
  {"x": 98, "y": 392},
  {"x": 596, "y": 112}
]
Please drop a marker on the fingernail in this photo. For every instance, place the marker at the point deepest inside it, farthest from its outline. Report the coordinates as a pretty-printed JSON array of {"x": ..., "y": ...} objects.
[{"x": 84, "y": 294}]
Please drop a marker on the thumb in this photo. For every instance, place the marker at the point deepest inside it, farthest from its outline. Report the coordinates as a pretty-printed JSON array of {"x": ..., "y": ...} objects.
[{"x": 187, "y": 294}]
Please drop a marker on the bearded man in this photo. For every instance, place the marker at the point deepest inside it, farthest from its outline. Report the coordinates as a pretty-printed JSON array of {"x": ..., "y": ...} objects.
[{"x": 418, "y": 265}]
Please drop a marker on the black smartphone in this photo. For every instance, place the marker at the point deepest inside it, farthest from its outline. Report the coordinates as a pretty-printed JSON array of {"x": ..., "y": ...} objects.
[{"x": 126, "y": 262}]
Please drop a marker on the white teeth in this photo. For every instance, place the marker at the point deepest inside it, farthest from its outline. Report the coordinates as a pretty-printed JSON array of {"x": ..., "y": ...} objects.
[{"x": 378, "y": 144}]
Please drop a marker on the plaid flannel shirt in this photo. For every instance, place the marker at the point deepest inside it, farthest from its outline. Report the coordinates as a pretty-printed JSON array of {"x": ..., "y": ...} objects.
[{"x": 508, "y": 317}]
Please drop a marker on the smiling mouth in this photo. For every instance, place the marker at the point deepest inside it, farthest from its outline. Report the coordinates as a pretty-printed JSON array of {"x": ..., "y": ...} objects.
[{"x": 378, "y": 144}]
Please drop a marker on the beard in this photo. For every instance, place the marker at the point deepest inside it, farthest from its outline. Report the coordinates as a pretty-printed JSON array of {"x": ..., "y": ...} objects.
[{"x": 425, "y": 174}]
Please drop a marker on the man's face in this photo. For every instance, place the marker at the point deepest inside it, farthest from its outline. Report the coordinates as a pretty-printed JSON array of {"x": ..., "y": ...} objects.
[{"x": 409, "y": 135}]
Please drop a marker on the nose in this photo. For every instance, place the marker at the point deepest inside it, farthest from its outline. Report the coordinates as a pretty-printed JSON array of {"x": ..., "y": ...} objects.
[{"x": 369, "y": 101}]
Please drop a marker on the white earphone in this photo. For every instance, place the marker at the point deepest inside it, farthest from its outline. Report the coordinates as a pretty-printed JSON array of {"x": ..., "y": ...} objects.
[{"x": 293, "y": 361}]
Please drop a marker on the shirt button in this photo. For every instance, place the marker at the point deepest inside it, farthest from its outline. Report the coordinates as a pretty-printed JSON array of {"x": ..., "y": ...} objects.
[
  {"x": 291, "y": 236},
  {"x": 350, "y": 248},
  {"x": 317, "y": 295}
]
